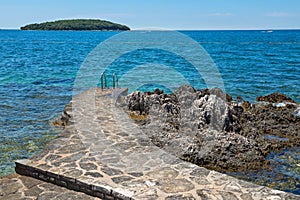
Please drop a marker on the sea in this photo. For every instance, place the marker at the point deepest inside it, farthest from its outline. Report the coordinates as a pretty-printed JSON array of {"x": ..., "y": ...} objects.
[{"x": 38, "y": 70}]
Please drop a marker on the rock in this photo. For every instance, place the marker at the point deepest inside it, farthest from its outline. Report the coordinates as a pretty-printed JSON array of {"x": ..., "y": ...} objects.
[
  {"x": 207, "y": 128},
  {"x": 219, "y": 93},
  {"x": 279, "y": 121},
  {"x": 213, "y": 113},
  {"x": 296, "y": 113},
  {"x": 136, "y": 103},
  {"x": 275, "y": 98},
  {"x": 246, "y": 105},
  {"x": 195, "y": 125},
  {"x": 215, "y": 150},
  {"x": 64, "y": 118}
]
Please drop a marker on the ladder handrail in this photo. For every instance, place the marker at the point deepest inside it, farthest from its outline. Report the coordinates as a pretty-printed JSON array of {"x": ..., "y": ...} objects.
[{"x": 103, "y": 81}]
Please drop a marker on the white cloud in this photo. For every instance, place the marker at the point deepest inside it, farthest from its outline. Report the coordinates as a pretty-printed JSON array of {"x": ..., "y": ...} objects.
[{"x": 280, "y": 14}]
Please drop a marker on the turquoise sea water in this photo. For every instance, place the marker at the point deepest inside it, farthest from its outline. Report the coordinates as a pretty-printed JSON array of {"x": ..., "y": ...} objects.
[{"x": 38, "y": 69}]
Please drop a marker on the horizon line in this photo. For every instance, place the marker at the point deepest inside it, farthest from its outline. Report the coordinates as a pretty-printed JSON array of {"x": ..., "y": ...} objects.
[{"x": 233, "y": 29}]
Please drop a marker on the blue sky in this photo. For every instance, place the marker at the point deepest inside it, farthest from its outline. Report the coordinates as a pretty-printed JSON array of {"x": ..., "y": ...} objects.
[{"x": 170, "y": 14}]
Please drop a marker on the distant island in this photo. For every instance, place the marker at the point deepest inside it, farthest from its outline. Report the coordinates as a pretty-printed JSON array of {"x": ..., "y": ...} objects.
[{"x": 77, "y": 25}]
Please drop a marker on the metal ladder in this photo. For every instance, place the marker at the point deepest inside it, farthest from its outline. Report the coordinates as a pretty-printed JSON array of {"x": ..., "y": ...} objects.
[{"x": 103, "y": 81}]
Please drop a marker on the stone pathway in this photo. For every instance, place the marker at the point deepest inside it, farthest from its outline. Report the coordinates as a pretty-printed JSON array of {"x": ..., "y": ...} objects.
[
  {"x": 15, "y": 187},
  {"x": 104, "y": 154}
]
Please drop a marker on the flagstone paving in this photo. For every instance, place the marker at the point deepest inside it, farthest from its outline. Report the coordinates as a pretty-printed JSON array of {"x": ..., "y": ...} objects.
[{"x": 102, "y": 154}]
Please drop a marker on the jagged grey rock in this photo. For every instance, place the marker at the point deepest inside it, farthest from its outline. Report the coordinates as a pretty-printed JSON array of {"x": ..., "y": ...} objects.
[{"x": 196, "y": 126}]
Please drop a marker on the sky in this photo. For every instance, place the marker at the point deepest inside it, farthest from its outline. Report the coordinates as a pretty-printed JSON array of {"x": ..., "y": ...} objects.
[{"x": 168, "y": 14}]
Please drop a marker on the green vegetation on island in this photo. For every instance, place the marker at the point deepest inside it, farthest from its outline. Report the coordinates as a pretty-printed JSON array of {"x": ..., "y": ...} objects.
[{"x": 77, "y": 24}]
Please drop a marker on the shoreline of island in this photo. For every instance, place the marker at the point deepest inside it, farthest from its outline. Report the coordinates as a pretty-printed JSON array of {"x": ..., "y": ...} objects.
[{"x": 76, "y": 25}]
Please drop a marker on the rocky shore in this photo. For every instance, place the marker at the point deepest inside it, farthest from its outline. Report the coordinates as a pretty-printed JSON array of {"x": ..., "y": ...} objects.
[
  {"x": 211, "y": 129},
  {"x": 101, "y": 152}
]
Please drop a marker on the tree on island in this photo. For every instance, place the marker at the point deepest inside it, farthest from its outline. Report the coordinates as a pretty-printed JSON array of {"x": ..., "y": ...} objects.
[{"x": 77, "y": 24}]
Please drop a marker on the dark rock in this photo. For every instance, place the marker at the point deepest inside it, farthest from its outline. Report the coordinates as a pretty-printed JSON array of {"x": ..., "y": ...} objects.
[
  {"x": 136, "y": 174},
  {"x": 204, "y": 194},
  {"x": 200, "y": 172},
  {"x": 88, "y": 166},
  {"x": 121, "y": 179},
  {"x": 158, "y": 91},
  {"x": 93, "y": 174},
  {"x": 63, "y": 120},
  {"x": 207, "y": 128},
  {"x": 239, "y": 98},
  {"x": 111, "y": 171},
  {"x": 275, "y": 98},
  {"x": 180, "y": 197},
  {"x": 246, "y": 105},
  {"x": 218, "y": 150},
  {"x": 266, "y": 123},
  {"x": 52, "y": 157}
]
